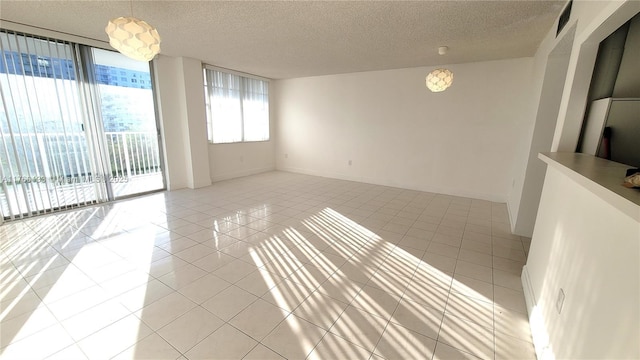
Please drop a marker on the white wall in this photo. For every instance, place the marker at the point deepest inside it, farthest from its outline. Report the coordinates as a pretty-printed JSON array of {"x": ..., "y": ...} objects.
[
  {"x": 227, "y": 161},
  {"x": 592, "y": 22},
  {"x": 168, "y": 84},
  {"x": 595, "y": 20},
  {"x": 581, "y": 243},
  {"x": 525, "y": 195},
  {"x": 591, "y": 250},
  {"x": 183, "y": 125},
  {"x": 398, "y": 133},
  {"x": 523, "y": 152}
]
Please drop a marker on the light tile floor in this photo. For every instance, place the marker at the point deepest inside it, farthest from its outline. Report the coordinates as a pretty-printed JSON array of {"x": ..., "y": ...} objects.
[{"x": 271, "y": 266}]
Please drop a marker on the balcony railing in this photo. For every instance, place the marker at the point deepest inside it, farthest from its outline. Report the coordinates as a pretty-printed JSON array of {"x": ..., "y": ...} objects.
[
  {"x": 133, "y": 153},
  {"x": 46, "y": 156},
  {"x": 43, "y": 171}
]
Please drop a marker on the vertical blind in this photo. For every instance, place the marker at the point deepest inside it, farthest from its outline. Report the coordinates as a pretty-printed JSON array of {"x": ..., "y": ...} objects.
[
  {"x": 77, "y": 126},
  {"x": 44, "y": 157},
  {"x": 237, "y": 107}
]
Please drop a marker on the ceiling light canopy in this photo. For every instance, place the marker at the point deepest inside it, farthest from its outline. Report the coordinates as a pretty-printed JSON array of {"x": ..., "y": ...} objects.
[{"x": 134, "y": 38}]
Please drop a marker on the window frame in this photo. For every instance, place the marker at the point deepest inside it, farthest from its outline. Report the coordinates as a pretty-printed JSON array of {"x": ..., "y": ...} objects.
[{"x": 207, "y": 104}]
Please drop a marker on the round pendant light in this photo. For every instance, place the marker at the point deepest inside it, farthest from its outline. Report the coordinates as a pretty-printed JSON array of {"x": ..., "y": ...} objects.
[
  {"x": 134, "y": 38},
  {"x": 439, "y": 80}
]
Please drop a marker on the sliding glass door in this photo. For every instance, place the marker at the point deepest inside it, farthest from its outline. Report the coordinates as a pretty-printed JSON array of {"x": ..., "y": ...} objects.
[
  {"x": 128, "y": 119},
  {"x": 77, "y": 126},
  {"x": 44, "y": 155}
]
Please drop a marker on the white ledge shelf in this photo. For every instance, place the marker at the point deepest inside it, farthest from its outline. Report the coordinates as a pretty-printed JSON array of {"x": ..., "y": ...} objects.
[{"x": 601, "y": 177}]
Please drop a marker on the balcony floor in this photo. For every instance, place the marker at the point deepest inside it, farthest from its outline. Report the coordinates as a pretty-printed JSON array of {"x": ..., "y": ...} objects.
[{"x": 43, "y": 198}]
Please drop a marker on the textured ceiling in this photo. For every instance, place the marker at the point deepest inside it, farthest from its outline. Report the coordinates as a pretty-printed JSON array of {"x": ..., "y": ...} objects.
[{"x": 295, "y": 39}]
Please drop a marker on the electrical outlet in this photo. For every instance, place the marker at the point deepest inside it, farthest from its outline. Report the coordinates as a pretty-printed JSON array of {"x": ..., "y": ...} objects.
[
  {"x": 286, "y": 156},
  {"x": 241, "y": 158},
  {"x": 349, "y": 162},
  {"x": 560, "y": 301}
]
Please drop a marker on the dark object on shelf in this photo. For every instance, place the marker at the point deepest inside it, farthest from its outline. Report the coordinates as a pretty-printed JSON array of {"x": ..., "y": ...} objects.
[
  {"x": 632, "y": 171},
  {"x": 632, "y": 180},
  {"x": 605, "y": 148}
]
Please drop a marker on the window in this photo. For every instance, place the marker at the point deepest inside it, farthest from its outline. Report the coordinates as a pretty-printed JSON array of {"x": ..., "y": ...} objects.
[
  {"x": 237, "y": 107},
  {"x": 66, "y": 134}
]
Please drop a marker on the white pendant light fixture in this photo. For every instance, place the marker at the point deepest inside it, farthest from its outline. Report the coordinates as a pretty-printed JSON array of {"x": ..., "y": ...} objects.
[
  {"x": 133, "y": 37},
  {"x": 439, "y": 79}
]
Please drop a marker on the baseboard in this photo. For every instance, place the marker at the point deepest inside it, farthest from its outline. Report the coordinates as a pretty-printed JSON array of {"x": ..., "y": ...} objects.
[
  {"x": 512, "y": 220},
  {"x": 529, "y": 296},
  {"x": 415, "y": 186},
  {"x": 537, "y": 324},
  {"x": 242, "y": 173}
]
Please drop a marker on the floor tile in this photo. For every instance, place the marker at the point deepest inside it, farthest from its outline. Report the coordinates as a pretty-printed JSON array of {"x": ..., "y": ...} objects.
[
  {"x": 115, "y": 338},
  {"x": 398, "y": 342},
  {"x": 306, "y": 334},
  {"x": 287, "y": 295},
  {"x": 508, "y": 265},
  {"x": 225, "y": 343},
  {"x": 189, "y": 329},
  {"x": 261, "y": 352},
  {"x": 174, "y": 246},
  {"x": 474, "y": 288},
  {"x": 426, "y": 294},
  {"x": 474, "y": 271},
  {"x": 258, "y": 319},
  {"x": 204, "y": 288},
  {"x": 89, "y": 321},
  {"x": 439, "y": 262},
  {"x": 467, "y": 336},
  {"x": 443, "y": 250},
  {"x": 71, "y": 352},
  {"x": 213, "y": 261},
  {"x": 510, "y": 348},
  {"x": 340, "y": 289},
  {"x": 310, "y": 276},
  {"x": 234, "y": 271},
  {"x": 78, "y": 302},
  {"x": 477, "y": 246},
  {"x": 40, "y": 344},
  {"x": 359, "y": 327},
  {"x": 447, "y": 352},
  {"x": 145, "y": 294},
  {"x": 335, "y": 347},
  {"x": 194, "y": 253},
  {"x": 512, "y": 323},
  {"x": 165, "y": 265},
  {"x": 376, "y": 301},
  {"x": 509, "y": 299},
  {"x": 151, "y": 347},
  {"x": 259, "y": 282},
  {"x": 470, "y": 309},
  {"x": 25, "y": 303},
  {"x": 320, "y": 310},
  {"x": 229, "y": 302},
  {"x": 165, "y": 310},
  {"x": 182, "y": 276},
  {"x": 25, "y": 325},
  {"x": 124, "y": 282},
  {"x": 275, "y": 258},
  {"x": 507, "y": 280},
  {"x": 417, "y": 317}
]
